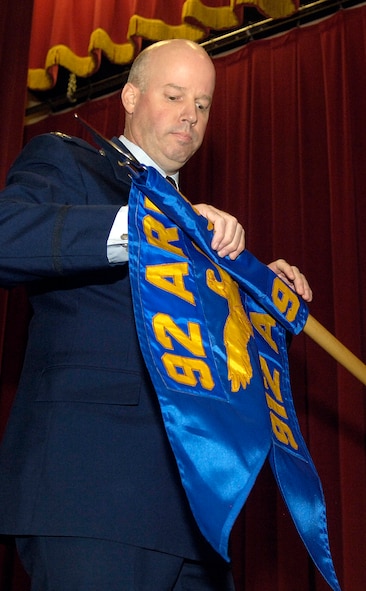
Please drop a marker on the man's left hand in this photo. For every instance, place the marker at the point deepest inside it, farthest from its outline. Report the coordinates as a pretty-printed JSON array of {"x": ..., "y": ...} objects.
[{"x": 293, "y": 277}]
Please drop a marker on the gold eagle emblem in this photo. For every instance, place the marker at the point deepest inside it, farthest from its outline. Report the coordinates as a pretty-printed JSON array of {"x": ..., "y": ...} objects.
[{"x": 237, "y": 329}]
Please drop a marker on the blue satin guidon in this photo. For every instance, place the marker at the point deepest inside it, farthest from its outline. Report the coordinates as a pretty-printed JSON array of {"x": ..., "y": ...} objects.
[
  {"x": 180, "y": 318},
  {"x": 213, "y": 335},
  {"x": 289, "y": 457}
]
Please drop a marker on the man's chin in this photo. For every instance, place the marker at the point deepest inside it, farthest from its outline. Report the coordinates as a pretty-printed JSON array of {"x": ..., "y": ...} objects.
[{"x": 182, "y": 156}]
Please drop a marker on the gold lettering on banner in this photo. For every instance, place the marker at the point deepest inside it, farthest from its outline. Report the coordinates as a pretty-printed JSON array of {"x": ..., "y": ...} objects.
[
  {"x": 285, "y": 299},
  {"x": 264, "y": 323},
  {"x": 164, "y": 325},
  {"x": 170, "y": 277},
  {"x": 150, "y": 205},
  {"x": 277, "y": 411},
  {"x": 158, "y": 235},
  {"x": 188, "y": 370},
  {"x": 282, "y": 431},
  {"x": 237, "y": 329},
  {"x": 271, "y": 382}
]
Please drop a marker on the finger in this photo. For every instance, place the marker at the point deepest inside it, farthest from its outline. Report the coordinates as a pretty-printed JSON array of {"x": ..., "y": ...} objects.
[
  {"x": 235, "y": 246},
  {"x": 229, "y": 235},
  {"x": 301, "y": 285},
  {"x": 303, "y": 288},
  {"x": 282, "y": 268},
  {"x": 225, "y": 230},
  {"x": 218, "y": 219},
  {"x": 220, "y": 228},
  {"x": 292, "y": 275}
]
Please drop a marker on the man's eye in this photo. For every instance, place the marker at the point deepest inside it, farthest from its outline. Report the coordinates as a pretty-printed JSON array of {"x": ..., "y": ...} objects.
[
  {"x": 173, "y": 98},
  {"x": 202, "y": 107}
]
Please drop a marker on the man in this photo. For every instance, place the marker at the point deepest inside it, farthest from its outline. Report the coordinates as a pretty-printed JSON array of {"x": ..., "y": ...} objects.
[{"x": 88, "y": 483}]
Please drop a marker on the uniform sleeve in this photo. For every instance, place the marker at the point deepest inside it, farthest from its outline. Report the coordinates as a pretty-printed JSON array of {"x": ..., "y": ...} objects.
[{"x": 56, "y": 211}]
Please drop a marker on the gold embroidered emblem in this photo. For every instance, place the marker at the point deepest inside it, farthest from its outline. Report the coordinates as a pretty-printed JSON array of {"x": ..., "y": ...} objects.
[{"x": 237, "y": 329}]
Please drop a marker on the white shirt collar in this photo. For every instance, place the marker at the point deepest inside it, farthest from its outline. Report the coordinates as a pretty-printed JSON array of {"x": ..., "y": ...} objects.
[{"x": 145, "y": 158}]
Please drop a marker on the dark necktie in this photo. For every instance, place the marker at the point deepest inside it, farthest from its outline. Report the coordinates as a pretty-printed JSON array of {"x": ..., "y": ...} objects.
[{"x": 171, "y": 181}]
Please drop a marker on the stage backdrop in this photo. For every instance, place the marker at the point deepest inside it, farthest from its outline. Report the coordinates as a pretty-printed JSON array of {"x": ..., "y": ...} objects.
[
  {"x": 61, "y": 37},
  {"x": 285, "y": 153}
]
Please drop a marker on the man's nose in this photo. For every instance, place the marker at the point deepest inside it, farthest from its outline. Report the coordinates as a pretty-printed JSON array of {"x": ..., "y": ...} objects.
[{"x": 190, "y": 113}]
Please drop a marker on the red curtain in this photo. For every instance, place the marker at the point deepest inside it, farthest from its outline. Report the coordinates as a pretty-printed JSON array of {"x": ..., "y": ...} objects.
[
  {"x": 284, "y": 152},
  {"x": 116, "y": 28},
  {"x": 14, "y": 46}
]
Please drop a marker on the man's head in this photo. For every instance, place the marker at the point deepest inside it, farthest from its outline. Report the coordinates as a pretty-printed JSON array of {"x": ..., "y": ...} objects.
[{"x": 167, "y": 100}]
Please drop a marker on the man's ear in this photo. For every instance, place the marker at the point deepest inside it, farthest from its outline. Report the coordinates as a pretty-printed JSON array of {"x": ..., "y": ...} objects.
[{"x": 129, "y": 97}]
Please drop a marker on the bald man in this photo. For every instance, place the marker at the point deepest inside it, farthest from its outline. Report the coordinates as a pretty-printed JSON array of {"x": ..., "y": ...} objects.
[{"x": 88, "y": 482}]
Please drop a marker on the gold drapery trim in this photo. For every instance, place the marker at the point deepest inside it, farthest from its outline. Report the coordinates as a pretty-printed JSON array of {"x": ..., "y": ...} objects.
[
  {"x": 274, "y": 8},
  {"x": 197, "y": 20},
  {"x": 222, "y": 17}
]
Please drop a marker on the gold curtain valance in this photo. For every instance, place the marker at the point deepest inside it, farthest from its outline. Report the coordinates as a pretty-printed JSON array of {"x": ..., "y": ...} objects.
[{"x": 75, "y": 35}]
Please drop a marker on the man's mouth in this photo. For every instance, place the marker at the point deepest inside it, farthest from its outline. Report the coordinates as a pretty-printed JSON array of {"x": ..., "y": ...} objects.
[{"x": 183, "y": 136}]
